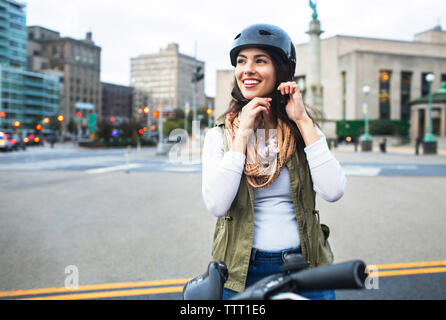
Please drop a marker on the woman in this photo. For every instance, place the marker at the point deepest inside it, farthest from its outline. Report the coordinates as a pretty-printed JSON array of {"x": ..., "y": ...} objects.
[{"x": 263, "y": 163}]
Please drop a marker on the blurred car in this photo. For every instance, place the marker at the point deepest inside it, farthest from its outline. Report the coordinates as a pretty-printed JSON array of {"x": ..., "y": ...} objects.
[
  {"x": 18, "y": 143},
  {"x": 173, "y": 141},
  {"x": 5, "y": 144},
  {"x": 32, "y": 140}
]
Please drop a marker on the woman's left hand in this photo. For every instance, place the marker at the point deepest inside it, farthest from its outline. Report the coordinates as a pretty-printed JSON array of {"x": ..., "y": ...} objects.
[{"x": 295, "y": 107}]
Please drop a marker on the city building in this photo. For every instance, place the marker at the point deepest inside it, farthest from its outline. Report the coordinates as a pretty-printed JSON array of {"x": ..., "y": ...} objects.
[
  {"x": 167, "y": 78},
  {"x": 26, "y": 97},
  {"x": 394, "y": 70},
  {"x": 420, "y": 115},
  {"x": 117, "y": 102},
  {"x": 141, "y": 99},
  {"x": 225, "y": 83},
  {"x": 80, "y": 63}
]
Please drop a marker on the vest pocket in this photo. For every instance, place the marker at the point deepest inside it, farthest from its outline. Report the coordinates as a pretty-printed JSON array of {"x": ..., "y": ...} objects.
[{"x": 321, "y": 253}]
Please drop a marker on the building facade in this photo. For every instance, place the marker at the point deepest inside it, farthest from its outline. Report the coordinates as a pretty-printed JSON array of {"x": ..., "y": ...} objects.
[
  {"x": 26, "y": 97},
  {"x": 80, "y": 63},
  {"x": 420, "y": 115},
  {"x": 117, "y": 102},
  {"x": 225, "y": 83},
  {"x": 166, "y": 78},
  {"x": 13, "y": 33},
  {"x": 394, "y": 70}
]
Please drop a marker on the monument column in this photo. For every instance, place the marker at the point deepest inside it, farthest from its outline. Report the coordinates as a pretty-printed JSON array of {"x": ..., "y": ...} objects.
[{"x": 314, "y": 95}]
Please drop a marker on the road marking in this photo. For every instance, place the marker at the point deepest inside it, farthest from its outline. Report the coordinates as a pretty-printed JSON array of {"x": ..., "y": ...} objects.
[
  {"x": 110, "y": 294},
  {"x": 406, "y": 272},
  {"x": 115, "y": 168},
  {"x": 358, "y": 170},
  {"x": 94, "y": 287},
  {"x": 167, "y": 286},
  {"x": 411, "y": 265}
]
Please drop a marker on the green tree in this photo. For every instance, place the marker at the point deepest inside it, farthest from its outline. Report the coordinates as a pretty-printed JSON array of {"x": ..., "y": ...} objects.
[
  {"x": 104, "y": 130},
  {"x": 71, "y": 127}
]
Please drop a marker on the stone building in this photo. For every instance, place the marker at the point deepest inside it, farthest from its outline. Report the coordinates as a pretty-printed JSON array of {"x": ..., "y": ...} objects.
[
  {"x": 117, "y": 102},
  {"x": 166, "y": 78},
  {"x": 419, "y": 115},
  {"x": 80, "y": 63}
]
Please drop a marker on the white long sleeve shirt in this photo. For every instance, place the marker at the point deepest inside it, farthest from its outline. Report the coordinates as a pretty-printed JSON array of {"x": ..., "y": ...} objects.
[{"x": 275, "y": 224}]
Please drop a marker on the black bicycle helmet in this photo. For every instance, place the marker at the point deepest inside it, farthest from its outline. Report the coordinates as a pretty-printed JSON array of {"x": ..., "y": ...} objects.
[{"x": 265, "y": 36}]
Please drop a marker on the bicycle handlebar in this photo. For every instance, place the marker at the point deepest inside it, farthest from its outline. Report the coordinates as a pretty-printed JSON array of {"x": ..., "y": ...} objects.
[{"x": 346, "y": 275}]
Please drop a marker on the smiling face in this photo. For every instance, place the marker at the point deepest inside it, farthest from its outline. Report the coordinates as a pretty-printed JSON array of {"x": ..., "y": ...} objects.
[{"x": 255, "y": 73}]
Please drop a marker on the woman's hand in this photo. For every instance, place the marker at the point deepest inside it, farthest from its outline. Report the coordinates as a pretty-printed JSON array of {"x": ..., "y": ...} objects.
[
  {"x": 297, "y": 112},
  {"x": 251, "y": 114},
  {"x": 295, "y": 107}
]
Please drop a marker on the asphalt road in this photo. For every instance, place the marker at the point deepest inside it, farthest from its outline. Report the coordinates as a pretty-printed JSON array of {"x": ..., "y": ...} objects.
[{"x": 124, "y": 221}]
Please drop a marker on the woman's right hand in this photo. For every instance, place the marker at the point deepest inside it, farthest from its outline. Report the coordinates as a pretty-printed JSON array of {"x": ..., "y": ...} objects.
[{"x": 251, "y": 113}]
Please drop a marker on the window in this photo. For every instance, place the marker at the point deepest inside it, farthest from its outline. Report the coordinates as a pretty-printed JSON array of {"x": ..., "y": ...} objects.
[
  {"x": 54, "y": 52},
  {"x": 424, "y": 84},
  {"x": 406, "y": 80},
  {"x": 384, "y": 94}
]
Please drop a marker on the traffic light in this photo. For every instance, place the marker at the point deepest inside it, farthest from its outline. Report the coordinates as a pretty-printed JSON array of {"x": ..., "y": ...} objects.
[
  {"x": 141, "y": 131},
  {"x": 112, "y": 119},
  {"x": 79, "y": 114},
  {"x": 198, "y": 75}
]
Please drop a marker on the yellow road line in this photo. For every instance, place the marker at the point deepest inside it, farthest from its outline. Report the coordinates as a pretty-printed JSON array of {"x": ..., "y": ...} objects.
[
  {"x": 406, "y": 272},
  {"x": 93, "y": 287},
  {"x": 72, "y": 293},
  {"x": 109, "y": 294},
  {"x": 411, "y": 265}
]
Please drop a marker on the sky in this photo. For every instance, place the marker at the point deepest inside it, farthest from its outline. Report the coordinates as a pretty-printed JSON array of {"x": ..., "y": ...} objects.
[{"x": 128, "y": 28}]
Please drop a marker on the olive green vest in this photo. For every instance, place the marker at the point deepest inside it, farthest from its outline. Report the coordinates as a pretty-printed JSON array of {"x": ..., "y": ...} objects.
[{"x": 234, "y": 232}]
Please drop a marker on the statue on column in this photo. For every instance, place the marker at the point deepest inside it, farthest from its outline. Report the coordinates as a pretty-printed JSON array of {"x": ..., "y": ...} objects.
[{"x": 313, "y": 6}]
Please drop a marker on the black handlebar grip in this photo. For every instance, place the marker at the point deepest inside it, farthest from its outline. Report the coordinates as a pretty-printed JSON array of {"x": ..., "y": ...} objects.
[{"x": 346, "y": 275}]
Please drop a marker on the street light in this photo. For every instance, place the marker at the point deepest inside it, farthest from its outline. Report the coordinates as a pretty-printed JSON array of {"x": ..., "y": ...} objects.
[
  {"x": 430, "y": 141},
  {"x": 161, "y": 148},
  {"x": 149, "y": 121},
  {"x": 366, "y": 138}
]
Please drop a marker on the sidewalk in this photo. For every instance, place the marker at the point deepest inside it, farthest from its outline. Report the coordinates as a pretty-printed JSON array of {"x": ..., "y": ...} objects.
[{"x": 405, "y": 153}]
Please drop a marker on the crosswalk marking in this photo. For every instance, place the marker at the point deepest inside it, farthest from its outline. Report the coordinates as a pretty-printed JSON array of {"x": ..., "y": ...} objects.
[
  {"x": 356, "y": 170},
  {"x": 115, "y": 168}
]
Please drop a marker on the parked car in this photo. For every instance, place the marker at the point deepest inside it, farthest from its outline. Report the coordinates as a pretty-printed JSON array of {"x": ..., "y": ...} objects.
[
  {"x": 5, "y": 144},
  {"x": 18, "y": 143},
  {"x": 32, "y": 140}
]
